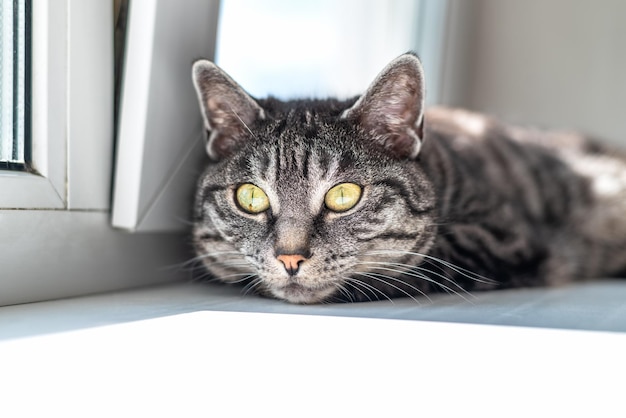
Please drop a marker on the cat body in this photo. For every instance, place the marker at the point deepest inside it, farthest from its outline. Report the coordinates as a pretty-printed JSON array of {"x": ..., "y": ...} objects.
[{"x": 325, "y": 200}]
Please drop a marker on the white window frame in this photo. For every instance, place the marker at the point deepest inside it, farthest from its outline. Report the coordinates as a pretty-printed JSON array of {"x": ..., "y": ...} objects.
[
  {"x": 46, "y": 190},
  {"x": 57, "y": 240},
  {"x": 160, "y": 137},
  {"x": 72, "y": 160}
]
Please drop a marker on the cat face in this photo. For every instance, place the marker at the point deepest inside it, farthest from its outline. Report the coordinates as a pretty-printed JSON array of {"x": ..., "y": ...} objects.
[{"x": 304, "y": 199}]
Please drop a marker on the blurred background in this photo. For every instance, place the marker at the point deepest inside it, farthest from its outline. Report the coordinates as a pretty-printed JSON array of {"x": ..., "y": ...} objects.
[{"x": 549, "y": 63}]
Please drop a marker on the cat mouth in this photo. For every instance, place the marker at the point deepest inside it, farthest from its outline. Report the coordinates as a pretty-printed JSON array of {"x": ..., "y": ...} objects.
[{"x": 298, "y": 293}]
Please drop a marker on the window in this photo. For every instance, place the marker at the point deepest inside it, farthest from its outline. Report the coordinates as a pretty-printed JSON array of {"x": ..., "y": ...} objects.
[
  {"x": 160, "y": 146},
  {"x": 324, "y": 48},
  {"x": 14, "y": 80},
  {"x": 57, "y": 240},
  {"x": 69, "y": 116}
]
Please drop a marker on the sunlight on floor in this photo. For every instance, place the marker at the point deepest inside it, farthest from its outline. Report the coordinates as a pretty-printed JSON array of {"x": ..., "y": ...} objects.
[{"x": 250, "y": 364}]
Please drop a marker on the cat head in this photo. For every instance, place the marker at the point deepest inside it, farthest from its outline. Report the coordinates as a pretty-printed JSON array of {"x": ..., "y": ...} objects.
[{"x": 303, "y": 198}]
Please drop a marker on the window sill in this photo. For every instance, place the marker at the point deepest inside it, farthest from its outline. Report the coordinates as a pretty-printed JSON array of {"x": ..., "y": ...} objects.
[
  {"x": 41, "y": 191},
  {"x": 174, "y": 351},
  {"x": 53, "y": 254},
  {"x": 593, "y": 306}
]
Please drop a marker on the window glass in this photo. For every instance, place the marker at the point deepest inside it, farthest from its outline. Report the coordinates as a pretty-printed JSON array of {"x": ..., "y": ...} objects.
[
  {"x": 324, "y": 48},
  {"x": 14, "y": 79}
]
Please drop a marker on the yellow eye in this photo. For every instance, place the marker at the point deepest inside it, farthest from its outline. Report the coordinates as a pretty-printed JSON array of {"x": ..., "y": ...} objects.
[
  {"x": 343, "y": 197},
  {"x": 252, "y": 199}
]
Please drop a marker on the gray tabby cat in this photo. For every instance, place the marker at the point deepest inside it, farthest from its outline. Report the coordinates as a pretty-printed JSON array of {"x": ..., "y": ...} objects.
[{"x": 324, "y": 200}]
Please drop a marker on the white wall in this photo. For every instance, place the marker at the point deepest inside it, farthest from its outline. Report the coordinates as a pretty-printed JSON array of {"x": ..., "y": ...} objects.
[{"x": 550, "y": 63}]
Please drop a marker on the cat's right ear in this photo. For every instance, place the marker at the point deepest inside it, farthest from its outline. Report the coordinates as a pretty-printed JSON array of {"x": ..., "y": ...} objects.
[
  {"x": 392, "y": 109},
  {"x": 228, "y": 111}
]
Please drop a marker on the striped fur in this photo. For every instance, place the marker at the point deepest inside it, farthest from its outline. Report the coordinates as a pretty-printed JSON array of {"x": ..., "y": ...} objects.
[{"x": 452, "y": 201}]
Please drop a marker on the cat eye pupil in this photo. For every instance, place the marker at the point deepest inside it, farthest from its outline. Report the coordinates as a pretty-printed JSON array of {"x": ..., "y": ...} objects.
[
  {"x": 343, "y": 197},
  {"x": 252, "y": 199}
]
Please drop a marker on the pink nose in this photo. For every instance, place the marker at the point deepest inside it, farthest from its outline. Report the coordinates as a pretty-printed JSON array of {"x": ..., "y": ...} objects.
[{"x": 291, "y": 262}]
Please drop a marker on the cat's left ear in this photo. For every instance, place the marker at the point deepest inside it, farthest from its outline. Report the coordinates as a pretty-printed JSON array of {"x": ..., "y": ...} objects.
[
  {"x": 228, "y": 111},
  {"x": 392, "y": 108}
]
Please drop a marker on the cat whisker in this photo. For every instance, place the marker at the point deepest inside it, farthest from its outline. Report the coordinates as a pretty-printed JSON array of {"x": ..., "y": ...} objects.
[
  {"x": 464, "y": 272},
  {"x": 357, "y": 284},
  {"x": 417, "y": 290},
  {"x": 212, "y": 279},
  {"x": 185, "y": 266},
  {"x": 225, "y": 265},
  {"x": 228, "y": 264},
  {"x": 255, "y": 282},
  {"x": 450, "y": 290},
  {"x": 442, "y": 286},
  {"x": 184, "y": 221},
  {"x": 410, "y": 270},
  {"x": 344, "y": 291},
  {"x": 201, "y": 257},
  {"x": 246, "y": 275},
  {"x": 385, "y": 279},
  {"x": 460, "y": 270},
  {"x": 242, "y": 122},
  {"x": 216, "y": 254},
  {"x": 352, "y": 283}
]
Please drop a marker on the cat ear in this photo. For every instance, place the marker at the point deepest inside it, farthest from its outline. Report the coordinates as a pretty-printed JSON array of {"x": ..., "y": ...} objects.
[
  {"x": 228, "y": 111},
  {"x": 392, "y": 108}
]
